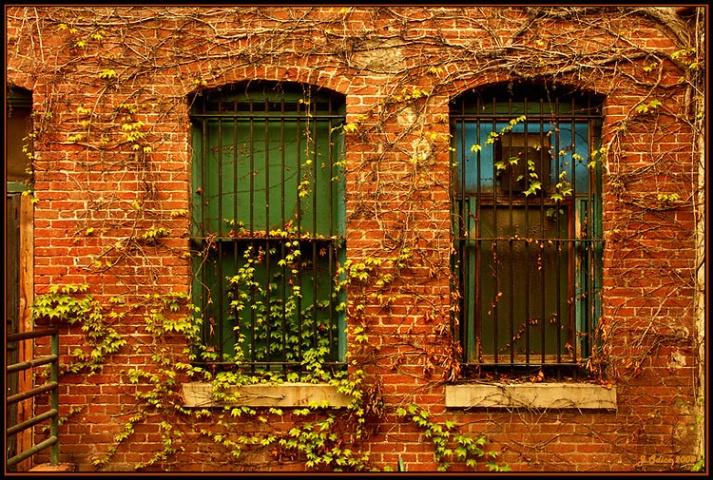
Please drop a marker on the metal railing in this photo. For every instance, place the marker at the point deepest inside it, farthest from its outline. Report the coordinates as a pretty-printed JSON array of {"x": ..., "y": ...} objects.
[{"x": 51, "y": 386}]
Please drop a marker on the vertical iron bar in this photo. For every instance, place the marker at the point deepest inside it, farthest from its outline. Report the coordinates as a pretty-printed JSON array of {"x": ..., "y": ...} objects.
[
  {"x": 315, "y": 195},
  {"x": 267, "y": 227},
  {"x": 205, "y": 292},
  {"x": 476, "y": 309},
  {"x": 235, "y": 244},
  {"x": 200, "y": 228},
  {"x": 236, "y": 170},
  {"x": 570, "y": 244},
  {"x": 283, "y": 196},
  {"x": 220, "y": 169},
  {"x": 251, "y": 246},
  {"x": 469, "y": 322},
  {"x": 526, "y": 209},
  {"x": 460, "y": 195},
  {"x": 511, "y": 252},
  {"x": 331, "y": 234},
  {"x": 219, "y": 214},
  {"x": 298, "y": 151},
  {"x": 495, "y": 242},
  {"x": 560, "y": 243},
  {"x": 593, "y": 233},
  {"x": 54, "y": 398},
  {"x": 543, "y": 284},
  {"x": 251, "y": 176},
  {"x": 526, "y": 213}
]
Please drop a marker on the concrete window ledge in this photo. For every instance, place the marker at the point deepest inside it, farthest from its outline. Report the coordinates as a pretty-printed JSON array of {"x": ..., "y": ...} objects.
[
  {"x": 576, "y": 396},
  {"x": 200, "y": 395},
  {"x": 46, "y": 467}
]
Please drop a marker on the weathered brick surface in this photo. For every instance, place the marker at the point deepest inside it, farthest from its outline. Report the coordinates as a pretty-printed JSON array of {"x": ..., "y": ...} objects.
[{"x": 368, "y": 54}]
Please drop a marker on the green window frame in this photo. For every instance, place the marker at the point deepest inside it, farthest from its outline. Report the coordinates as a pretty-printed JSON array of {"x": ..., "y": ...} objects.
[
  {"x": 269, "y": 216},
  {"x": 526, "y": 210}
]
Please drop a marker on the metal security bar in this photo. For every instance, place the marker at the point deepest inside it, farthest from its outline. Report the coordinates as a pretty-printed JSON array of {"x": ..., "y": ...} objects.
[
  {"x": 527, "y": 216},
  {"x": 51, "y": 387},
  {"x": 269, "y": 217}
]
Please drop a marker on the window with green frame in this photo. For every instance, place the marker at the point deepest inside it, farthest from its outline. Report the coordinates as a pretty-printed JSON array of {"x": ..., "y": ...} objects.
[
  {"x": 526, "y": 204},
  {"x": 268, "y": 211},
  {"x": 18, "y": 144}
]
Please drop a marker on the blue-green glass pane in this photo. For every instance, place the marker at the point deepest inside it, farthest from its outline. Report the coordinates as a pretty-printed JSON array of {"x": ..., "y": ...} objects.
[{"x": 476, "y": 156}]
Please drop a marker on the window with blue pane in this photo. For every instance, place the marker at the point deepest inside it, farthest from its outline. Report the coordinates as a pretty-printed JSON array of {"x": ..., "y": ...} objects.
[
  {"x": 268, "y": 211},
  {"x": 526, "y": 209}
]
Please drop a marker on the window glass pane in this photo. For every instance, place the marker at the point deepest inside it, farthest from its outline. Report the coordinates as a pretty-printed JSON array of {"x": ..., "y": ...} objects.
[
  {"x": 523, "y": 275},
  {"x": 269, "y": 175},
  {"x": 271, "y": 303},
  {"x": 18, "y": 126},
  {"x": 568, "y": 154}
]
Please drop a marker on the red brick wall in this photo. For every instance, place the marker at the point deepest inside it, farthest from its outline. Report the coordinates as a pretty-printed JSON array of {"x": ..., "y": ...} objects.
[{"x": 161, "y": 54}]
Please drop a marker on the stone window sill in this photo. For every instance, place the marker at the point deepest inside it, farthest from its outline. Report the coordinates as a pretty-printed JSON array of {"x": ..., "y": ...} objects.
[
  {"x": 575, "y": 396},
  {"x": 200, "y": 395}
]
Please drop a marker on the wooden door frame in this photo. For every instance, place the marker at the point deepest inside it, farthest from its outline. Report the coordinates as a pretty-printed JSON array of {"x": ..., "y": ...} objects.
[{"x": 25, "y": 292}]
